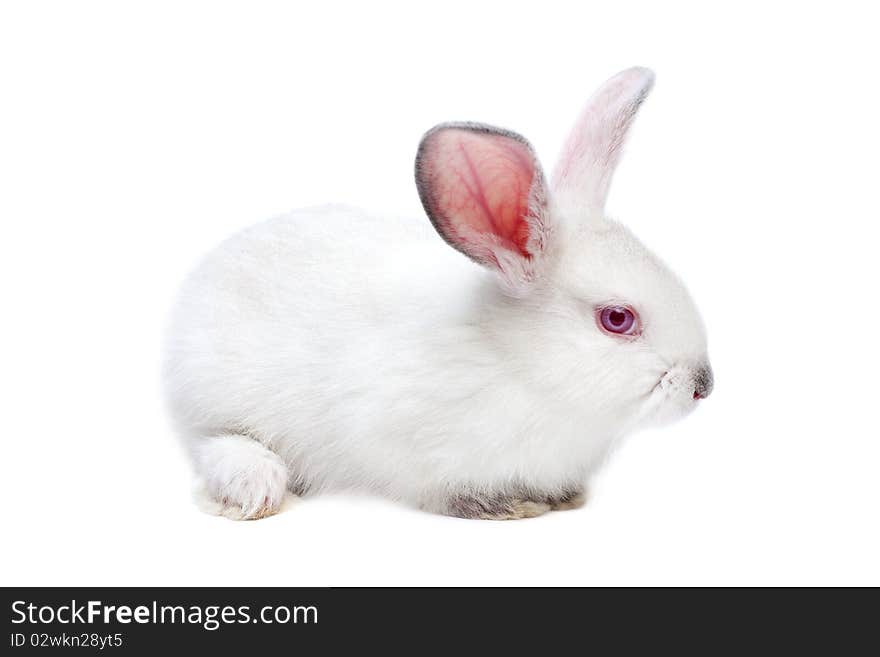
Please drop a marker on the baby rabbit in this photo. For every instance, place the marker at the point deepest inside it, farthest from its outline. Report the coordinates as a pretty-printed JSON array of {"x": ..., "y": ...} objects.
[{"x": 330, "y": 349}]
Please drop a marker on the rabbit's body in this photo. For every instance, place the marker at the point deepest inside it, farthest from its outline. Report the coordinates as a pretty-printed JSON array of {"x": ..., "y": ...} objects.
[
  {"x": 359, "y": 371},
  {"x": 330, "y": 349}
]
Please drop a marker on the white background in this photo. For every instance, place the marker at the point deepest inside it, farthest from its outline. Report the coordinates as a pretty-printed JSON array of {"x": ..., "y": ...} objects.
[{"x": 133, "y": 137}]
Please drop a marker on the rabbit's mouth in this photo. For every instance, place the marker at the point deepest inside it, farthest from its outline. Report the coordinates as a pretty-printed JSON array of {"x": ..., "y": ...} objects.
[
  {"x": 659, "y": 385},
  {"x": 672, "y": 380},
  {"x": 668, "y": 400}
]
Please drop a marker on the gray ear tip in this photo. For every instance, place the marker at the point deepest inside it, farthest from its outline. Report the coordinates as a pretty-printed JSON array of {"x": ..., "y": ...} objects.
[
  {"x": 473, "y": 126},
  {"x": 633, "y": 84},
  {"x": 638, "y": 79},
  {"x": 466, "y": 126},
  {"x": 643, "y": 72},
  {"x": 646, "y": 76}
]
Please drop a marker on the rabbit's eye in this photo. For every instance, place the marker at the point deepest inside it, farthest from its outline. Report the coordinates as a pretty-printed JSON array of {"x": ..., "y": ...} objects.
[{"x": 619, "y": 320}]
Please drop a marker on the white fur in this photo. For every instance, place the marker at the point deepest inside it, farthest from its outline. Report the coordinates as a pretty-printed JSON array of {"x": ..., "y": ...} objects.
[{"x": 330, "y": 349}]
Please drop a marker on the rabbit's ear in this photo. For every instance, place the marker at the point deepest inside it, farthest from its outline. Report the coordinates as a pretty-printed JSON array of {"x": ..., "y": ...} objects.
[
  {"x": 483, "y": 190},
  {"x": 590, "y": 156}
]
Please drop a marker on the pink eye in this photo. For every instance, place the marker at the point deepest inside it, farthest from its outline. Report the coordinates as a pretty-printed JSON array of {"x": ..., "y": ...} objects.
[{"x": 618, "y": 319}]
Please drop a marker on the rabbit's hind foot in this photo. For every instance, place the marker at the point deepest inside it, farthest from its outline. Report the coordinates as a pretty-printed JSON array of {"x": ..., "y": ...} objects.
[
  {"x": 574, "y": 499},
  {"x": 495, "y": 508}
]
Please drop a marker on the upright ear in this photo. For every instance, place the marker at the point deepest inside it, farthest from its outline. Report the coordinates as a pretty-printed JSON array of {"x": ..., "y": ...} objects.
[
  {"x": 484, "y": 191},
  {"x": 591, "y": 154}
]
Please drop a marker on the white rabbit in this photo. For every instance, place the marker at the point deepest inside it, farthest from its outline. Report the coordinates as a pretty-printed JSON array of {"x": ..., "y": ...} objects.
[{"x": 329, "y": 349}]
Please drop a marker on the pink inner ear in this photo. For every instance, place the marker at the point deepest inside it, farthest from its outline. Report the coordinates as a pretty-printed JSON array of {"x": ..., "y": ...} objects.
[{"x": 481, "y": 185}]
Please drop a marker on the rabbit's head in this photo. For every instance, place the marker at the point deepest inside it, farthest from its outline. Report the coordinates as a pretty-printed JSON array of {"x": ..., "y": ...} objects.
[{"x": 599, "y": 318}]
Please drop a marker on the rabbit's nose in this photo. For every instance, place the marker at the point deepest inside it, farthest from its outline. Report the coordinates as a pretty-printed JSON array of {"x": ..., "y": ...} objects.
[{"x": 704, "y": 381}]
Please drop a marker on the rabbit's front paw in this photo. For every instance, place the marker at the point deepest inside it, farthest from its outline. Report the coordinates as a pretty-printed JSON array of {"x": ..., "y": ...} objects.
[{"x": 243, "y": 480}]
